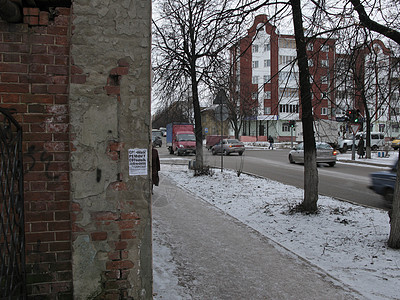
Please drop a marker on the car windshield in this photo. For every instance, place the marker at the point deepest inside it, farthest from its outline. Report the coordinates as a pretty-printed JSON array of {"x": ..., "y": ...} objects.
[
  {"x": 233, "y": 142},
  {"x": 186, "y": 137},
  {"x": 156, "y": 133},
  {"x": 323, "y": 146}
]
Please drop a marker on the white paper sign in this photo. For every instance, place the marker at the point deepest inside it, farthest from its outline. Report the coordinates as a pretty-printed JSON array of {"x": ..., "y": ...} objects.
[{"x": 137, "y": 162}]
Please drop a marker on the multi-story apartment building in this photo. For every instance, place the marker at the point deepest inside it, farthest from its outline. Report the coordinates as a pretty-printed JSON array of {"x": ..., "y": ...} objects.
[{"x": 266, "y": 80}]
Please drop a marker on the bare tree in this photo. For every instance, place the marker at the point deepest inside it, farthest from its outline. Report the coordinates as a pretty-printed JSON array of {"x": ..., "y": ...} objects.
[
  {"x": 390, "y": 31},
  {"x": 190, "y": 41}
]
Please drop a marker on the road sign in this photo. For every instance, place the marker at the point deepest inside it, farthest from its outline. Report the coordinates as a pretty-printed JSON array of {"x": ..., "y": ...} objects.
[
  {"x": 221, "y": 113},
  {"x": 221, "y": 97},
  {"x": 206, "y": 130},
  {"x": 354, "y": 128}
]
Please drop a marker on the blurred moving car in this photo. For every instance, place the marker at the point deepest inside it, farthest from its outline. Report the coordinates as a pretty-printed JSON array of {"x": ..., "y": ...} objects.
[
  {"x": 228, "y": 146},
  {"x": 383, "y": 183},
  {"x": 156, "y": 137},
  {"x": 325, "y": 154},
  {"x": 396, "y": 143}
]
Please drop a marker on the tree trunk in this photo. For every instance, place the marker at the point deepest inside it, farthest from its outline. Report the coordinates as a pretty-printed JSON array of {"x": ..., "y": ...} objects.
[
  {"x": 310, "y": 164},
  {"x": 394, "y": 213},
  {"x": 198, "y": 128}
]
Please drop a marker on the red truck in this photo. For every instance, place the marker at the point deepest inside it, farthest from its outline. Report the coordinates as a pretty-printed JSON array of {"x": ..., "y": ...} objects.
[
  {"x": 180, "y": 138},
  {"x": 211, "y": 140}
]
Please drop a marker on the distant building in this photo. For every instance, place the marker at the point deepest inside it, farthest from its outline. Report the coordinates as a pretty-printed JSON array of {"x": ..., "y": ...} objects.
[{"x": 266, "y": 79}]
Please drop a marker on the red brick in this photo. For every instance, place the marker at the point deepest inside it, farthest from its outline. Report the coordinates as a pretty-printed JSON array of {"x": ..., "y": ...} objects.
[
  {"x": 60, "y": 246},
  {"x": 43, "y": 18},
  {"x": 58, "y": 50},
  {"x": 42, "y": 39},
  {"x": 13, "y": 68},
  {"x": 57, "y": 186},
  {"x": 130, "y": 216},
  {"x": 39, "y": 196},
  {"x": 61, "y": 215},
  {"x": 42, "y": 237},
  {"x": 57, "y": 70},
  {"x": 37, "y": 68},
  {"x": 29, "y": 98},
  {"x": 17, "y": 48},
  {"x": 62, "y": 40},
  {"x": 112, "y": 90},
  {"x": 57, "y": 30},
  {"x": 119, "y": 71},
  {"x": 38, "y": 227},
  {"x": 59, "y": 226},
  {"x": 61, "y": 60},
  {"x": 64, "y": 236},
  {"x": 63, "y": 11},
  {"x": 126, "y": 224},
  {"x": 7, "y": 77},
  {"x": 58, "y": 89},
  {"x": 39, "y": 49},
  {"x": 127, "y": 235},
  {"x": 121, "y": 245},
  {"x": 14, "y": 88},
  {"x": 55, "y": 146},
  {"x": 12, "y": 37},
  {"x": 31, "y": 11},
  {"x": 124, "y": 264},
  {"x": 104, "y": 216},
  {"x": 11, "y": 57},
  {"x": 42, "y": 59},
  {"x": 99, "y": 236},
  {"x": 31, "y": 20},
  {"x": 7, "y": 98},
  {"x": 39, "y": 89}
]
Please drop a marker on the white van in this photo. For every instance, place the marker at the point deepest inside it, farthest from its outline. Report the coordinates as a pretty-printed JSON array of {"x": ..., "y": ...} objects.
[{"x": 377, "y": 140}]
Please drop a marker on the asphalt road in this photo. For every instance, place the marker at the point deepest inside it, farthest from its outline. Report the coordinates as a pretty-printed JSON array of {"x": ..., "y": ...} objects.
[{"x": 345, "y": 181}]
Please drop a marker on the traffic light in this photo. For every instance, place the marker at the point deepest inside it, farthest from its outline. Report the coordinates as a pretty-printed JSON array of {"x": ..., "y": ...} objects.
[
  {"x": 353, "y": 116},
  {"x": 292, "y": 123}
]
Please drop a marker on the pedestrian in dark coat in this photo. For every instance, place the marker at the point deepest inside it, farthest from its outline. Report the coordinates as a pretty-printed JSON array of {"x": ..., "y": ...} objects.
[
  {"x": 155, "y": 166},
  {"x": 360, "y": 150},
  {"x": 271, "y": 142}
]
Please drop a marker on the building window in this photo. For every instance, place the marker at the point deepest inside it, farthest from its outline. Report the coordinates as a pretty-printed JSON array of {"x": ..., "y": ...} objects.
[
  {"x": 289, "y": 92},
  {"x": 285, "y": 127},
  {"x": 267, "y": 47},
  {"x": 255, "y": 80},
  {"x": 310, "y": 63},
  {"x": 255, "y": 48},
  {"x": 255, "y": 64},
  {"x": 310, "y": 47},
  {"x": 267, "y": 95},
  {"x": 324, "y": 79},
  {"x": 325, "y": 48},
  {"x": 254, "y": 95},
  {"x": 267, "y": 78},
  {"x": 267, "y": 110},
  {"x": 267, "y": 63},
  {"x": 288, "y": 108},
  {"x": 324, "y": 111},
  {"x": 324, "y": 63},
  {"x": 286, "y": 59},
  {"x": 287, "y": 43}
]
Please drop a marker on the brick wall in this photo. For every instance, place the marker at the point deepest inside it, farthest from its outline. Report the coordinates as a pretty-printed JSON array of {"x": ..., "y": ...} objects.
[{"x": 34, "y": 68}]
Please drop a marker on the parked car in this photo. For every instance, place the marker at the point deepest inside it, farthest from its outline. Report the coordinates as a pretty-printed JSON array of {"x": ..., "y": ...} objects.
[
  {"x": 325, "y": 154},
  {"x": 228, "y": 146},
  {"x": 383, "y": 183},
  {"x": 396, "y": 143},
  {"x": 377, "y": 140},
  {"x": 156, "y": 138}
]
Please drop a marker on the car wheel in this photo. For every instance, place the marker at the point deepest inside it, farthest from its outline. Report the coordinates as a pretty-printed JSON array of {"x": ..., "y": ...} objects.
[
  {"x": 344, "y": 148},
  {"x": 331, "y": 164},
  {"x": 395, "y": 148},
  {"x": 388, "y": 195},
  {"x": 240, "y": 153},
  {"x": 291, "y": 159},
  {"x": 213, "y": 151},
  {"x": 171, "y": 151},
  {"x": 224, "y": 153},
  {"x": 374, "y": 147}
]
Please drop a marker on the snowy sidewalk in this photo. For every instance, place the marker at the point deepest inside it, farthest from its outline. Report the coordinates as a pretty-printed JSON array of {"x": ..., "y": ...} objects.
[{"x": 200, "y": 252}]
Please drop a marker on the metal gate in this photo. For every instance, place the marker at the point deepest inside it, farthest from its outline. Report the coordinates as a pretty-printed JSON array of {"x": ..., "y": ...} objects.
[{"x": 12, "y": 232}]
